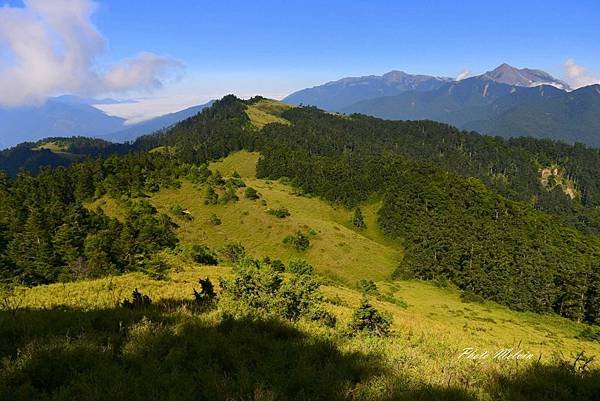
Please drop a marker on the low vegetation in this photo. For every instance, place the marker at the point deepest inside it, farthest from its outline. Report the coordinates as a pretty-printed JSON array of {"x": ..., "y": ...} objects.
[{"x": 249, "y": 324}]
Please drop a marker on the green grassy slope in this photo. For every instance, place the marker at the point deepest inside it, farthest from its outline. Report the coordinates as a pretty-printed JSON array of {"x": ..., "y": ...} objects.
[
  {"x": 336, "y": 249},
  {"x": 267, "y": 111},
  {"x": 436, "y": 315}
]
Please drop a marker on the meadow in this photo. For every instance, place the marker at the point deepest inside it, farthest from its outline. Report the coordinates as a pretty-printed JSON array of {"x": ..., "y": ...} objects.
[{"x": 73, "y": 340}]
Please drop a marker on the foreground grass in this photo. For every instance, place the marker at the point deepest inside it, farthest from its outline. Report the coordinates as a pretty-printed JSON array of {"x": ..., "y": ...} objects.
[{"x": 71, "y": 341}]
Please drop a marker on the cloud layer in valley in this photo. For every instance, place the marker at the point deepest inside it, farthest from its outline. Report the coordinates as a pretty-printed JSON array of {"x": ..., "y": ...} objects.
[
  {"x": 52, "y": 47},
  {"x": 578, "y": 76},
  {"x": 463, "y": 74}
]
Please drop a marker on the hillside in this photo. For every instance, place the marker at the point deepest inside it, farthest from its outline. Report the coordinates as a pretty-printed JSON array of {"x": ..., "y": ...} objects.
[
  {"x": 496, "y": 108},
  {"x": 467, "y": 208},
  {"x": 339, "y": 251},
  {"x": 156, "y": 349},
  {"x": 54, "y": 152},
  {"x": 277, "y": 252}
]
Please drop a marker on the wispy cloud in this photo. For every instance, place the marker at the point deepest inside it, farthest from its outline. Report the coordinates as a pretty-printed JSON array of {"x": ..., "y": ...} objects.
[
  {"x": 52, "y": 47},
  {"x": 578, "y": 75},
  {"x": 464, "y": 74}
]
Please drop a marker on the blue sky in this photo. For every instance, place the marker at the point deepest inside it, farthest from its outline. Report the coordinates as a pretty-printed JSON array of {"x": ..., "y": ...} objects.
[
  {"x": 274, "y": 47},
  {"x": 333, "y": 38}
]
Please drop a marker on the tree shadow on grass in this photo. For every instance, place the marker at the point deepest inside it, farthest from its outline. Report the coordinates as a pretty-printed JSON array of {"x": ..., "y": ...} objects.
[
  {"x": 559, "y": 382},
  {"x": 152, "y": 354}
]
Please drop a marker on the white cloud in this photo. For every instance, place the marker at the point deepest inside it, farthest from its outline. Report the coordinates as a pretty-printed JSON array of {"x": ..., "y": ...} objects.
[
  {"x": 147, "y": 108},
  {"x": 578, "y": 75},
  {"x": 464, "y": 74},
  {"x": 52, "y": 47},
  {"x": 146, "y": 70}
]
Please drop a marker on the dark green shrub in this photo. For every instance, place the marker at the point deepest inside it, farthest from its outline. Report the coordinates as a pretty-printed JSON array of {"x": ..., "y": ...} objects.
[
  {"x": 181, "y": 213},
  {"x": 260, "y": 290},
  {"x": 215, "y": 220},
  {"x": 198, "y": 174},
  {"x": 590, "y": 333},
  {"x": 230, "y": 195},
  {"x": 280, "y": 212},
  {"x": 298, "y": 241},
  {"x": 367, "y": 319},
  {"x": 138, "y": 301},
  {"x": 250, "y": 193},
  {"x": 233, "y": 252},
  {"x": 299, "y": 267},
  {"x": 368, "y": 287},
  {"x": 278, "y": 266},
  {"x": 468, "y": 296},
  {"x": 210, "y": 197},
  {"x": 156, "y": 268},
  {"x": 235, "y": 183},
  {"x": 358, "y": 219},
  {"x": 323, "y": 316},
  {"x": 203, "y": 255},
  {"x": 441, "y": 282},
  {"x": 216, "y": 179},
  {"x": 403, "y": 272},
  {"x": 207, "y": 295}
]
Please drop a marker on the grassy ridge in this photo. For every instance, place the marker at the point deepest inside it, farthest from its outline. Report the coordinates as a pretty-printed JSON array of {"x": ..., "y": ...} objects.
[{"x": 267, "y": 111}]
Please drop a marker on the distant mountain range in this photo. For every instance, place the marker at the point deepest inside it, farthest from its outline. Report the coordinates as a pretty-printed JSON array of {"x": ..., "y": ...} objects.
[
  {"x": 337, "y": 95},
  {"x": 67, "y": 116},
  {"x": 506, "y": 101},
  {"x": 506, "y": 74}
]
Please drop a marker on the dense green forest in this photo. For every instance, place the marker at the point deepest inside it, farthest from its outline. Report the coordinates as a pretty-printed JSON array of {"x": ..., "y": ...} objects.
[
  {"x": 469, "y": 208},
  {"x": 55, "y": 152}
]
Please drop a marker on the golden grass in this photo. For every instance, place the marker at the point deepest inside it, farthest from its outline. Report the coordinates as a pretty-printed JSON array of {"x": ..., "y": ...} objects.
[
  {"x": 266, "y": 112},
  {"x": 243, "y": 162},
  {"x": 52, "y": 146},
  {"x": 432, "y": 331},
  {"x": 110, "y": 206},
  {"x": 335, "y": 250}
]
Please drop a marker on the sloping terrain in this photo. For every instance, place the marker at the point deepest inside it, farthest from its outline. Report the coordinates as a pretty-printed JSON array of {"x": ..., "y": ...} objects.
[
  {"x": 336, "y": 249},
  {"x": 339, "y": 252}
]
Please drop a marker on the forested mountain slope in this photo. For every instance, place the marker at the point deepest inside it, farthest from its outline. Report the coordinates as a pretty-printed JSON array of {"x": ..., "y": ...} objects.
[
  {"x": 467, "y": 208},
  {"x": 54, "y": 152},
  {"x": 497, "y": 108}
]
